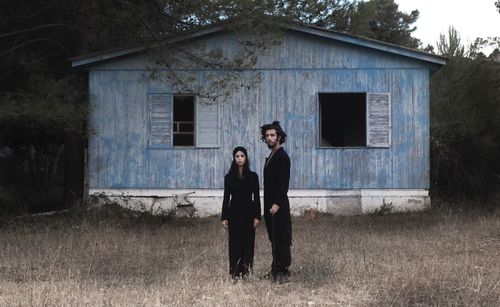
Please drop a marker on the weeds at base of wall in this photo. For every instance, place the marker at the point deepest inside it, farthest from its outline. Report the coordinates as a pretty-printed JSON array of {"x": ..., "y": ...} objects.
[
  {"x": 386, "y": 208},
  {"x": 101, "y": 207}
]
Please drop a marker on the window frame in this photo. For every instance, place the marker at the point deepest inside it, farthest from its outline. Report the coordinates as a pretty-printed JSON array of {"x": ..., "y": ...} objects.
[
  {"x": 320, "y": 117},
  {"x": 367, "y": 126},
  {"x": 195, "y": 102}
]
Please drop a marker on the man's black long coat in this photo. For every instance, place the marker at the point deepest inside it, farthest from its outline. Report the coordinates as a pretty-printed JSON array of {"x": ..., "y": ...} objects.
[
  {"x": 276, "y": 181},
  {"x": 241, "y": 205}
]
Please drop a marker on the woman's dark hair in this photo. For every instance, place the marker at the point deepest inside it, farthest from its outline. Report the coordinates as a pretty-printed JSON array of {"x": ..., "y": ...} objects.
[
  {"x": 234, "y": 168},
  {"x": 276, "y": 126}
]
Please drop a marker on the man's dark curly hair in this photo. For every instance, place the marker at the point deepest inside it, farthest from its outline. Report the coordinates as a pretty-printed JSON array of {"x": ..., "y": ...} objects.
[{"x": 276, "y": 126}]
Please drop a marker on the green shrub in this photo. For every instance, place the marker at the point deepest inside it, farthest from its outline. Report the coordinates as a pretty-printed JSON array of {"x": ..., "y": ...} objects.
[{"x": 465, "y": 128}]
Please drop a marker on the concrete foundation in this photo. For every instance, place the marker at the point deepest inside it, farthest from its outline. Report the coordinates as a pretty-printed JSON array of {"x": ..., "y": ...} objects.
[{"x": 207, "y": 202}]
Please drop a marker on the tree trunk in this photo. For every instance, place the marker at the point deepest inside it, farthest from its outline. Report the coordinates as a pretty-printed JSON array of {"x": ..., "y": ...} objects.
[
  {"x": 73, "y": 169},
  {"x": 30, "y": 152},
  {"x": 53, "y": 166}
]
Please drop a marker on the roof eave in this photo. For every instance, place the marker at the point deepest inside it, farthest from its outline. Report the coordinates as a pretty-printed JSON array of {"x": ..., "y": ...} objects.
[
  {"x": 87, "y": 61},
  {"x": 373, "y": 44}
]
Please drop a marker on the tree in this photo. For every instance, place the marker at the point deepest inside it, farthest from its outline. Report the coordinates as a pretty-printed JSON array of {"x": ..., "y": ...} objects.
[
  {"x": 451, "y": 45},
  {"x": 41, "y": 100},
  {"x": 382, "y": 20},
  {"x": 36, "y": 122},
  {"x": 465, "y": 128},
  {"x": 475, "y": 49}
]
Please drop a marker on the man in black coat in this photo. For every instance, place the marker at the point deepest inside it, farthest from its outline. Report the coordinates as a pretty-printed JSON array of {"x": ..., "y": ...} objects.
[{"x": 276, "y": 204}]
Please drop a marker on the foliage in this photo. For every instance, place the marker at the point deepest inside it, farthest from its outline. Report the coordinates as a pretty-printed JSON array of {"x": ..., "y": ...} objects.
[
  {"x": 53, "y": 105},
  {"x": 385, "y": 209},
  {"x": 34, "y": 123},
  {"x": 101, "y": 207},
  {"x": 40, "y": 99},
  {"x": 382, "y": 20},
  {"x": 475, "y": 49},
  {"x": 465, "y": 128},
  {"x": 34, "y": 36},
  {"x": 451, "y": 45}
]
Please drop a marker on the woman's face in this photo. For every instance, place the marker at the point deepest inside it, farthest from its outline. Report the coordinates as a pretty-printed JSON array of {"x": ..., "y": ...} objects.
[{"x": 240, "y": 158}]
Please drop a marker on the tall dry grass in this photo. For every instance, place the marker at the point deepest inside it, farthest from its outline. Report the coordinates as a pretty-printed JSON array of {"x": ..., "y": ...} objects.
[{"x": 430, "y": 258}]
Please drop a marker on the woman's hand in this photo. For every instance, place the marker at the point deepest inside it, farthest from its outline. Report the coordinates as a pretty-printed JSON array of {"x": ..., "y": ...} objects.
[
  {"x": 224, "y": 224},
  {"x": 256, "y": 223}
]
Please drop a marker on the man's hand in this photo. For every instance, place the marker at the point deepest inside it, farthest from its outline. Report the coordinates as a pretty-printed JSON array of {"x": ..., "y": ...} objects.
[
  {"x": 256, "y": 223},
  {"x": 224, "y": 224},
  {"x": 274, "y": 208}
]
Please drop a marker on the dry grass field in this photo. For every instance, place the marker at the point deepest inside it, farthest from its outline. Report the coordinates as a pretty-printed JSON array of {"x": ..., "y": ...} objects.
[{"x": 421, "y": 259}]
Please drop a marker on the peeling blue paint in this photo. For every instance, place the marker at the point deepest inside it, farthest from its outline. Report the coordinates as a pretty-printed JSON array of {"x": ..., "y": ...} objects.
[{"x": 291, "y": 78}]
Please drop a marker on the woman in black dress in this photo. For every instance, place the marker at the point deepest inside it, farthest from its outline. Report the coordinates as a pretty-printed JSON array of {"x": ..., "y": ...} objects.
[{"x": 241, "y": 212}]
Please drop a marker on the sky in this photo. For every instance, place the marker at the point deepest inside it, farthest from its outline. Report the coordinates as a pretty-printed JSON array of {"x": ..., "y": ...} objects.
[{"x": 478, "y": 18}]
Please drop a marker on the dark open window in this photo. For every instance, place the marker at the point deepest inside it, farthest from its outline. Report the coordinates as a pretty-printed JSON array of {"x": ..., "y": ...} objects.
[
  {"x": 342, "y": 119},
  {"x": 183, "y": 129}
]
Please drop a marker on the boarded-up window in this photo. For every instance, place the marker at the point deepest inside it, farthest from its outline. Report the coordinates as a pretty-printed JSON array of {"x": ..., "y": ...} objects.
[
  {"x": 207, "y": 125},
  {"x": 378, "y": 119},
  {"x": 160, "y": 120},
  {"x": 354, "y": 119}
]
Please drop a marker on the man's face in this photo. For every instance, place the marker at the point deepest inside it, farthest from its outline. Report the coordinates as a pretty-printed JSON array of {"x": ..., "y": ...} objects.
[{"x": 272, "y": 138}]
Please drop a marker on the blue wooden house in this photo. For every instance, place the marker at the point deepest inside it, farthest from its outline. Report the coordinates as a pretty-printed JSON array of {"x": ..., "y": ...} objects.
[{"x": 356, "y": 112}]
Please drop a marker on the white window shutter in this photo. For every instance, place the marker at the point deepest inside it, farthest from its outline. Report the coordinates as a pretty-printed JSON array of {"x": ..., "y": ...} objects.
[
  {"x": 207, "y": 124},
  {"x": 160, "y": 121},
  {"x": 378, "y": 119}
]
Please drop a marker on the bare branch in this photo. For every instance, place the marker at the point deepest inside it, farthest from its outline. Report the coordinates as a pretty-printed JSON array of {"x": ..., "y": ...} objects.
[
  {"x": 36, "y": 29},
  {"x": 17, "y": 94},
  {"x": 35, "y": 41},
  {"x": 31, "y": 15}
]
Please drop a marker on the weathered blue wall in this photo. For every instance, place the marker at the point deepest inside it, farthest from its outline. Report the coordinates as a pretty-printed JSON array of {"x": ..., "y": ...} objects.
[{"x": 292, "y": 74}]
